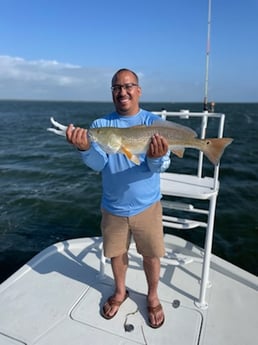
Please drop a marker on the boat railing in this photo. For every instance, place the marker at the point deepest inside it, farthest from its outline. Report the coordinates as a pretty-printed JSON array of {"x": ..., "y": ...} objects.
[
  {"x": 204, "y": 117},
  {"x": 178, "y": 188}
]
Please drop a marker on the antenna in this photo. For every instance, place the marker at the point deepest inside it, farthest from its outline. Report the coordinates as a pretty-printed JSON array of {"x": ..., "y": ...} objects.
[{"x": 205, "y": 101}]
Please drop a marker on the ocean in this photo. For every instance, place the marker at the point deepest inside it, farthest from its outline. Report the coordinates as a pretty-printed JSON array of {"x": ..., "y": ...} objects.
[{"x": 49, "y": 195}]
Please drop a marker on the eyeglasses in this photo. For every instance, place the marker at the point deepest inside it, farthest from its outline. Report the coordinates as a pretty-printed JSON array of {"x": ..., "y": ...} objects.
[{"x": 119, "y": 87}]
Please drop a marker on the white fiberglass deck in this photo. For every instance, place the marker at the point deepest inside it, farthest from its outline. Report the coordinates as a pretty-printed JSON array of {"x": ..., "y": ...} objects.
[{"x": 56, "y": 299}]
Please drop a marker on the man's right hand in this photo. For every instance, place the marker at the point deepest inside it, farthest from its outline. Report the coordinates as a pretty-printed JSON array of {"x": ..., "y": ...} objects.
[{"x": 78, "y": 137}]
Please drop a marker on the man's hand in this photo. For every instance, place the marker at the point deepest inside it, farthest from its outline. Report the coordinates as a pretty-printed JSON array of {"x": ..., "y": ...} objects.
[
  {"x": 78, "y": 137},
  {"x": 158, "y": 147}
]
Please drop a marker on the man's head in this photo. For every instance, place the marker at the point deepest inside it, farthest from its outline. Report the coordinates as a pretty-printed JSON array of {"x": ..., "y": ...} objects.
[{"x": 126, "y": 92}]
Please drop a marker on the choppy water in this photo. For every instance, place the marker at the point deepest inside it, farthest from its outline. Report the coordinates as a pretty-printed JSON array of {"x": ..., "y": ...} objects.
[{"x": 48, "y": 195}]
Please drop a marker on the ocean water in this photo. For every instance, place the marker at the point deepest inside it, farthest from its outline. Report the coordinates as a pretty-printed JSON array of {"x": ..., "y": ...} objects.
[{"x": 49, "y": 195}]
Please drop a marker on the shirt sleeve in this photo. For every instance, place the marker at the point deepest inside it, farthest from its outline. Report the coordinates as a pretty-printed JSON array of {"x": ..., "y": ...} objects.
[
  {"x": 94, "y": 158},
  {"x": 159, "y": 165}
]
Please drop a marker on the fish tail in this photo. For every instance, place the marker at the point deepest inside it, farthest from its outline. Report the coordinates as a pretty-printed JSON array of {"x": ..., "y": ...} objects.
[{"x": 215, "y": 147}]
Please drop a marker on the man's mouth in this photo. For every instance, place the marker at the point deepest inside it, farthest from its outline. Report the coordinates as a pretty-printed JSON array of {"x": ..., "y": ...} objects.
[{"x": 123, "y": 100}]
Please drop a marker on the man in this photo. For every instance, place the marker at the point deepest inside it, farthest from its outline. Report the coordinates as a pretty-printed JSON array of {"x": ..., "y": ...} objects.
[{"x": 131, "y": 195}]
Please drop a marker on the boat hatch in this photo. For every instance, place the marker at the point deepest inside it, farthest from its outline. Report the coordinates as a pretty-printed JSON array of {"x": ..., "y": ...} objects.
[{"x": 131, "y": 322}]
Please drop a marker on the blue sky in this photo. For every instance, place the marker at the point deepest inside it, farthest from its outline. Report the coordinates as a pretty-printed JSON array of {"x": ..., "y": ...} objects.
[{"x": 69, "y": 50}]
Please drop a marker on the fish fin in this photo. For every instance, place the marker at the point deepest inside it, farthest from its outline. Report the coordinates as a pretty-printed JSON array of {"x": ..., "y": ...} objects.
[
  {"x": 178, "y": 152},
  {"x": 130, "y": 155},
  {"x": 135, "y": 160},
  {"x": 215, "y": 147},
  {"x": 163, "y": 123}
]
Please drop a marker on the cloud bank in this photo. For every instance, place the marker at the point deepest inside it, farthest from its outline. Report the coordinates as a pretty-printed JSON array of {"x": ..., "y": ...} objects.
[{"x": 53, "y": 80}]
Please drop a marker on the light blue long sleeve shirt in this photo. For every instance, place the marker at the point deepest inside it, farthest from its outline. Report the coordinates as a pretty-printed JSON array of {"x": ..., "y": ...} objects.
[{"x": 128, "y": 189}]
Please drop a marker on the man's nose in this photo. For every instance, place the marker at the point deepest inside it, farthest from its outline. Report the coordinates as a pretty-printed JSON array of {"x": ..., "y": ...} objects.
[{"x": 122, "y": 89}]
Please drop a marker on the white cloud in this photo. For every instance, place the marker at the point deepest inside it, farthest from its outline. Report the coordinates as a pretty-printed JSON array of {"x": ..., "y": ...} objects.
[
  {"x": 17, "y": 69},
  {"x": 20, "y": 78}
]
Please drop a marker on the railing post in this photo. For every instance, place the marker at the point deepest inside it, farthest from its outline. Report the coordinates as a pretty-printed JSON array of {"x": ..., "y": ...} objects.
[{"x": 201, "y": 303}]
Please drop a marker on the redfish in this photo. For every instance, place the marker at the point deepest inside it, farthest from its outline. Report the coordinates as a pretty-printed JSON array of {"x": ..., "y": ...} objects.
[{"x": 133, "y": 141}]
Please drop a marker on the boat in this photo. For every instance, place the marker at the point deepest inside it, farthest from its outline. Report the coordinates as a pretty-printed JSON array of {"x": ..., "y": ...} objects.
[{"x": 57, "y": 297}]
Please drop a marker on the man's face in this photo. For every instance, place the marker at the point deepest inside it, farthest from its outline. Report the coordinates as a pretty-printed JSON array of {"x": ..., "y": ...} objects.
[{"x": 126, "y": 93}]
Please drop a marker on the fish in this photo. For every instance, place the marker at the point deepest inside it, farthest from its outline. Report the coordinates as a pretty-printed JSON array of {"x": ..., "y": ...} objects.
[{"x": 133, "y": 141}]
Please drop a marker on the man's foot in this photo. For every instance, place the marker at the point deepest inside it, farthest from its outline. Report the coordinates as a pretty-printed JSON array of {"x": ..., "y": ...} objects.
[
  {"x": 156, "y": 316},
  {"x": 112, "y": 306}
]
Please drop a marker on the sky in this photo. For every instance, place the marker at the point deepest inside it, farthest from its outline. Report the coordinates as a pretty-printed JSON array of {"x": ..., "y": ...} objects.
[{"x": 70, "y": 49}]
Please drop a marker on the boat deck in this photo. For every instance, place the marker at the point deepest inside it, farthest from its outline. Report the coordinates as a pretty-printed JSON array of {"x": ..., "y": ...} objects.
[{"x": 56, "y": 298}]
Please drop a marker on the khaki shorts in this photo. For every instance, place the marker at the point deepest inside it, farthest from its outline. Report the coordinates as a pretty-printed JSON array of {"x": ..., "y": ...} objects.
[{"x": 145, "y": 227}]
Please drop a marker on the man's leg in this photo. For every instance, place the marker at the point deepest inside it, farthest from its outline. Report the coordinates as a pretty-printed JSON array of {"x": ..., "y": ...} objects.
[
  {"x": 152, "y": 271},
  {"x": 119, "y": 267},
  {"x": 116, "y": 239}
]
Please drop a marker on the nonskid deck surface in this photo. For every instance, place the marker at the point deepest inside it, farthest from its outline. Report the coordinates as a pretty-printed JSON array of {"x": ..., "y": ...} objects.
[{"x": 57, "y": 298}]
